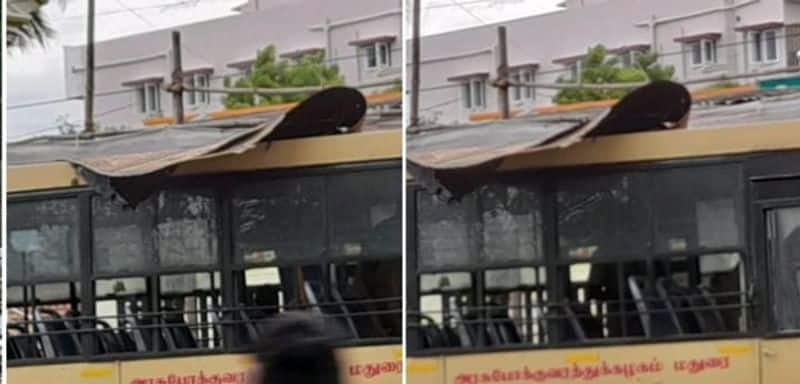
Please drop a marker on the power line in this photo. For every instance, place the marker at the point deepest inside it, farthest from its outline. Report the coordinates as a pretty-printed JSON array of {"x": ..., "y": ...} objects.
[
  {"x": 126, "y": 10},
  {"x": 337, "y": 59}
]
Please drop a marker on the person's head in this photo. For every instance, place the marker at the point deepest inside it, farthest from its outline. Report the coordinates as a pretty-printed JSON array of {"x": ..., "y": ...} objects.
[{"x": 296, "y": 348}]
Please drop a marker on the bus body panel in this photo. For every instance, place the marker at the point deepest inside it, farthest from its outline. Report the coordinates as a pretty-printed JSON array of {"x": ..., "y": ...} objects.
[
  {"x": 426, "y": 370},
  {"x": 75, "y": 373},
  {"x": 694, "y": 362},
  {"x": 359, "y": 365},
  {"x": 780, "y": 360}
]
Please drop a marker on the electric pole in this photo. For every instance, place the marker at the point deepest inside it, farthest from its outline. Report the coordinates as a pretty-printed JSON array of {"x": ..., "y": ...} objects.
[
  {"x": 502, "y": 74},
  {"x": 415, "y": 59},
  {"x": 88, "y": 102},
  {"x": 177, "y": 78}
]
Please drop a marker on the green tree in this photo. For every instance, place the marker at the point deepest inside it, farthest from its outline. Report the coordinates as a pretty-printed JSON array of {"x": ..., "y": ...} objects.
[
  {"x": 269, "y": 72},
  {"x": 598, "y": 68}
]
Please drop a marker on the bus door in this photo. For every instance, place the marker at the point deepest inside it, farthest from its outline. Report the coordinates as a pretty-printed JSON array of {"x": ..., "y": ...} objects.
[{"x": 780, "y": 235}]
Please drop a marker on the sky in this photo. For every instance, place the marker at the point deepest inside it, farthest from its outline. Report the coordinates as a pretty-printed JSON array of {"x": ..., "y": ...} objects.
[{"x": 38, "y": 73}]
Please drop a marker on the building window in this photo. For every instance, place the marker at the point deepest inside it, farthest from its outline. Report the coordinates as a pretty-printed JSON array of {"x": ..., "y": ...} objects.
[
  {"x": 527, "y": 77},
  {"x": 473, "y": 93},
  {"x": 522, "y": 76},
  {"x": 574, "y": 71},
  {"x": 628, "y": 59},
  {"x": 149, "y": 98},
  {"x": 764, "y": 46},
  {"x": 198, "y": 80},
  {"x": 703, "y": 52},
  {"x": 378, "y": 55}
]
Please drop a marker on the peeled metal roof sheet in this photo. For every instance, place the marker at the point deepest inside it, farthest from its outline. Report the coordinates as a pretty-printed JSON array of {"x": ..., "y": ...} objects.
[
  {"x": 134, "y": 164},
  {"x": 455, "y": 160}
]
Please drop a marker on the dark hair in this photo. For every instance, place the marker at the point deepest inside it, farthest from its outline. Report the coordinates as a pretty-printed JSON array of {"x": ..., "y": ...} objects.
[{"x": 297, "y": 349}]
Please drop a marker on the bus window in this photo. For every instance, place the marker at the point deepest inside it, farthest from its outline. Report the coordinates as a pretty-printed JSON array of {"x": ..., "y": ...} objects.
[
  {"x": 603, "y": 300},
  {"x": 783, "y": 232},
  {"x": 447, "y": 315},
  {"x": 370, "y": 295},
  {"x": 119, "y": 305},
  {"x": 123, "y": 238},
  {"x": 188, "y": 304},
  {"x": 280, "y": 221},
  {"x": 186, "y": 229},
  {"x": 695, "y": 208},
  {"x": 705, "y": 292},
  {"x": 446, "y": 232},
  {"x": 516, "y": 302},
  {"x": 43, "y": 241},
  {"x": 44, "y": 265},
  {"x": 366, "y": 214},
  {"x": 46, "y": 326},
  {"x": 603, "y": 216},
  {"x": 511, "y": 224}
]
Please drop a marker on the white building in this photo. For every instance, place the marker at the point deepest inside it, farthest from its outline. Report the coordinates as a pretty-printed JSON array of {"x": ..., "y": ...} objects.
[
  {"x": 700, "y": 38},
  {"x": 363, "y": 37}
]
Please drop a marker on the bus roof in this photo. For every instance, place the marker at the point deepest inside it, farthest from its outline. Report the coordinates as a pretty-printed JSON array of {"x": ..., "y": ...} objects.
[
  {"x": 768, "y": 122},
  {"x": 303, "y": 152},
  {"x": 134, "y": 162}
]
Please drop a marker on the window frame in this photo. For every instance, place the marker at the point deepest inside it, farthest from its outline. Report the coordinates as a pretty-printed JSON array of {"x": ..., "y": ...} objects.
[
  {"x": 764, "y": 42},
  {"x": 199, "y": 98},
  {"x": 708, "y": 50},
  {"x": 522, "y": 95},
  {"x": 473, "y": 93},
  {"x": 149, "y": 98},
  {"x": 547, "y": 179},
  {"x": 379, "y": 53},
  {"x": 218, "y": 185}
]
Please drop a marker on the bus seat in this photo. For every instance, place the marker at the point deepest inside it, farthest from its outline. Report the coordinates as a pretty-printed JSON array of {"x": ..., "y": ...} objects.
[
  {"x": 450, "y": 336},
  {"x": 591, "y": 326},
  {"x": 504, "y": 327},
  {"x": 658, "y": 318},
  {"x": 464, "y": 330},
  {"x": 675, "y": 299},
  {"x": 711, "y": 318},
  {"x": 12, "y": 349},
  {"x": 144, "y": 336},
  {"x": 62, "y": 341},
  {"x": 335, "y": 312},
  {"x": 25, "y": 342},
  {"x": 575, "y": 330},
  {"x": 427, "y": 333},
  {"x": 678, "y": 299},
  {"x": 126, "y": 342},
  {"x": 178, "y": 334}
]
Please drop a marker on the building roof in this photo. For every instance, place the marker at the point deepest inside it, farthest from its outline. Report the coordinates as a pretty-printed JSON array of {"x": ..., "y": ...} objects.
[
  {"x": 566, "y": 60},
  {"x": 298, "y": 53},
  {"x": 144, "y": 80},
  {"x": 760, "y": 26},
  {"x": 529, "y": 65},
  {"x": 373, "y": 39},
  {"x": 467, "y": 76},
  {"x": 698, "y": 37},
  {"x": 630, "y": 48}
]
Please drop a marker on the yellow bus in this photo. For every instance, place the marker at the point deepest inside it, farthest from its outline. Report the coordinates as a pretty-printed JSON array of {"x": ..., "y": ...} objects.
[
  {"x": 666, "y": 256},
  {"x": 175, "y": 288}
]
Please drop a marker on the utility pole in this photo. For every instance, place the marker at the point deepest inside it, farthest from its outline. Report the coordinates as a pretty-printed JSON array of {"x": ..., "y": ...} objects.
[
  {"x": 415, "y": 58},
  {"x": 502, "y": 74},
  {"x": 177, "y": 78},
  {"x": 88, "y": 102}
]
